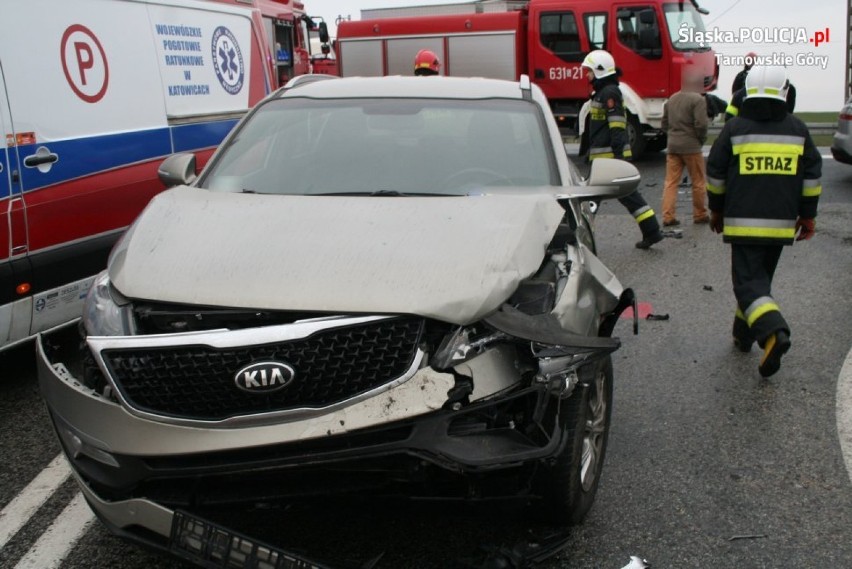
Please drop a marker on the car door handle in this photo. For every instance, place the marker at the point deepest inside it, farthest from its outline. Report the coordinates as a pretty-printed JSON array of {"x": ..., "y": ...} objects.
[{"x": 42, "y": 156}]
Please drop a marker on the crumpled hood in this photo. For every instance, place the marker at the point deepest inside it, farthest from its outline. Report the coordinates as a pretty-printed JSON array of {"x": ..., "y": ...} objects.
[{"x": 455, "y": 259}]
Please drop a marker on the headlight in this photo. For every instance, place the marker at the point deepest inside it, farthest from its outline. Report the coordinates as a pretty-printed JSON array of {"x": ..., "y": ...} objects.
[
  {"x": 457, "y": 347},
  {"x": 102, "y": 315}
]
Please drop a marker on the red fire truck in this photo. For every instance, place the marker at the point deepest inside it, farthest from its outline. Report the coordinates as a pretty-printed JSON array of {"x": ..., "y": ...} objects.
[
  {"x": 288, "y": 29},
  {"x": 651, "y": 41}
]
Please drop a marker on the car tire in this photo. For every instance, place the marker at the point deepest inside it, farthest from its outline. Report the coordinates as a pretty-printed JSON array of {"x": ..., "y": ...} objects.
[{"x": 568, "y": 484}]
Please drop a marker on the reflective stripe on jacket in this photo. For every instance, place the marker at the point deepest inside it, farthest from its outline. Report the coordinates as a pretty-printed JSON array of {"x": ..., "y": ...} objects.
[
  {"x": 763, "y": 175},
  {"x": 608, "y": 125}
]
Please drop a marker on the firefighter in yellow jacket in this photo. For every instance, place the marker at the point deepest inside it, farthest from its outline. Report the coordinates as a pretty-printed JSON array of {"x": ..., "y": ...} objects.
[
  {"x": 608, "y": 136},
  {"x": 763, "y": 183}
]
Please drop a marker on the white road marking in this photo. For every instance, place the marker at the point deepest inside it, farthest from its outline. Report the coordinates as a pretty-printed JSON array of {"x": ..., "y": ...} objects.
[
  {"x": 25, "y": 504},
  {"x": 844, "y": 412},
  {"x": 62, "y": 535}
]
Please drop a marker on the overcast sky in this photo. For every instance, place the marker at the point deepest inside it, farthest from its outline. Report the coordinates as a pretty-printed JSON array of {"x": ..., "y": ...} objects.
[{"x": 817, "y": 89}]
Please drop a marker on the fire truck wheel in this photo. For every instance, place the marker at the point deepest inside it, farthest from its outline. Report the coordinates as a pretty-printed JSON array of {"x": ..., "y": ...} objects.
[
  {"x": 568, "y": 485},
  {"x": 634, "y": 135},
  {"x": 656, "y": 144}
]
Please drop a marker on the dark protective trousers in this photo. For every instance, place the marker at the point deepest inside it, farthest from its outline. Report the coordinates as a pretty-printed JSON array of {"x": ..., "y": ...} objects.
[
  {"x": 753, "y": 267},
  {"x": 642, "y": 213}
]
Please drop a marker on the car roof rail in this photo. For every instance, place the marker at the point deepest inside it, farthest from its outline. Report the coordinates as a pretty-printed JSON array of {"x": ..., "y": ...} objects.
[
  {"x": 300, "y": 80},
  {"x": 526, "y": 87}
]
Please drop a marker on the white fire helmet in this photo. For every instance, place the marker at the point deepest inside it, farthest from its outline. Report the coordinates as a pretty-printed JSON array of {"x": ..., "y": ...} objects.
[
  {"x": 767, "y": 81},
  {"x": 601, "y": 63}
]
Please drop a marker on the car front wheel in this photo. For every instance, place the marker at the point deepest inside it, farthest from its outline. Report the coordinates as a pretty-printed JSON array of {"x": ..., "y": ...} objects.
[{"x": 568, "y": 484}]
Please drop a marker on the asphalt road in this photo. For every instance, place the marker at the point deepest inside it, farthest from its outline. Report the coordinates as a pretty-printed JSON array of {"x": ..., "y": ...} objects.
[{"x": 708, "y": 464}]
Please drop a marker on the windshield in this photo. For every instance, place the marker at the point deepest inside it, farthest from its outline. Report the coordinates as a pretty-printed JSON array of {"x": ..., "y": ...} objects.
[
  {"x": 686, "y": 28},
  {"x": 385, "y": 146}
]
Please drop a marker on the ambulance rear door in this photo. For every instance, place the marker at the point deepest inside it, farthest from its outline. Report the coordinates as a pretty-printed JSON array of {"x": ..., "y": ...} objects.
[
  {"x": 15, "y": 274},
  {"x": 90, "y": 130}
]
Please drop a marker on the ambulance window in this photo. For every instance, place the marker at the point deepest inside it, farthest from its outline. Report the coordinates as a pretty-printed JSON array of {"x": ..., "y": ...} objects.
[
  {"x": 596, "y": 30},
  {"x": 559, "y": 34},
  {"x": 639, "y": 31}
]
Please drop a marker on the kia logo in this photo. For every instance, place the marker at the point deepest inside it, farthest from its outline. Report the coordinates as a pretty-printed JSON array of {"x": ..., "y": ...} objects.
[{"x": 264, "y": 377}]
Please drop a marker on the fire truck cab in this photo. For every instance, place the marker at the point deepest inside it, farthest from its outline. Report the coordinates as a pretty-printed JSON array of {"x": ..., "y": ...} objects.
[{"x": 547, "y": 39}]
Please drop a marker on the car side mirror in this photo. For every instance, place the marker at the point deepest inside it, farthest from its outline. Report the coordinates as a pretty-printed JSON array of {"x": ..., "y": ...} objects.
[
  {"x": 177, "y": 170},
  {"x": 609, "y": 179}
]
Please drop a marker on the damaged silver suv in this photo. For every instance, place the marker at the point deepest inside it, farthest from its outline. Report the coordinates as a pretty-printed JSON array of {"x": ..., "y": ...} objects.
[{"x": 376, "y": 284}]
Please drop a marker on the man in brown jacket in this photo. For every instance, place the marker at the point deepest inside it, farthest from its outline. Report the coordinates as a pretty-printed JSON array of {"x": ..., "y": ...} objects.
[{"x": 685, "y": 123}]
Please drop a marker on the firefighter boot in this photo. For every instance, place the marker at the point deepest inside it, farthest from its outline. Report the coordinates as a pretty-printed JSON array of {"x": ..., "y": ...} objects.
[
  {"x": 649, "y": 240},
  {"x": 775, "y": 346},
  {"x": 742, "y": 335}
]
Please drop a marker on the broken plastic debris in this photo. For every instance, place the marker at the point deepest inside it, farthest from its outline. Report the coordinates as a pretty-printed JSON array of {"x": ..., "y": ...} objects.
[
  {"x": 643, "y": 309},
  {"x": 657, "y": 317},
  {"x": 708, "y": 287},
  {"x": 636, "y": 563},
  {"x": 535, "y": 547},
  {"x": 673, "y": 233}
]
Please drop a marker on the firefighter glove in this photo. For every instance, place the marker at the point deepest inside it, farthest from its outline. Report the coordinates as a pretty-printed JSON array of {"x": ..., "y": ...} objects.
[
  {"x": 805, "y": 228},
  {"x": 717, "y": 221}
]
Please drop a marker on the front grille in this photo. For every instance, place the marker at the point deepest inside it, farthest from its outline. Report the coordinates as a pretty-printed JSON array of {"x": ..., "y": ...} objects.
[{"x": 331, "y": 366}]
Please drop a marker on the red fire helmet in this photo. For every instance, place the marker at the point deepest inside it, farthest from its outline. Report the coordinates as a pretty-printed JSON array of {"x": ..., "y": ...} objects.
[{"x": 426, "y": 63}]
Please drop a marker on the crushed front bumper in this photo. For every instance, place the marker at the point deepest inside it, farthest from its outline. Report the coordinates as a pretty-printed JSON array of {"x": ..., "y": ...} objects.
[{"x": 136, "y": 471}]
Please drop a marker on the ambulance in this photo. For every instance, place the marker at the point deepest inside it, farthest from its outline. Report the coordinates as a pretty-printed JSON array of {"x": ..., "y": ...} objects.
[{"x": 92, "y": 99}]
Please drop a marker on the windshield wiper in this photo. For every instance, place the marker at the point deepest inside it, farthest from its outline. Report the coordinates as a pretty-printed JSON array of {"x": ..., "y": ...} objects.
[
  {"x": 373, "y": 193},
  {"x": 384, "y": 193}
]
